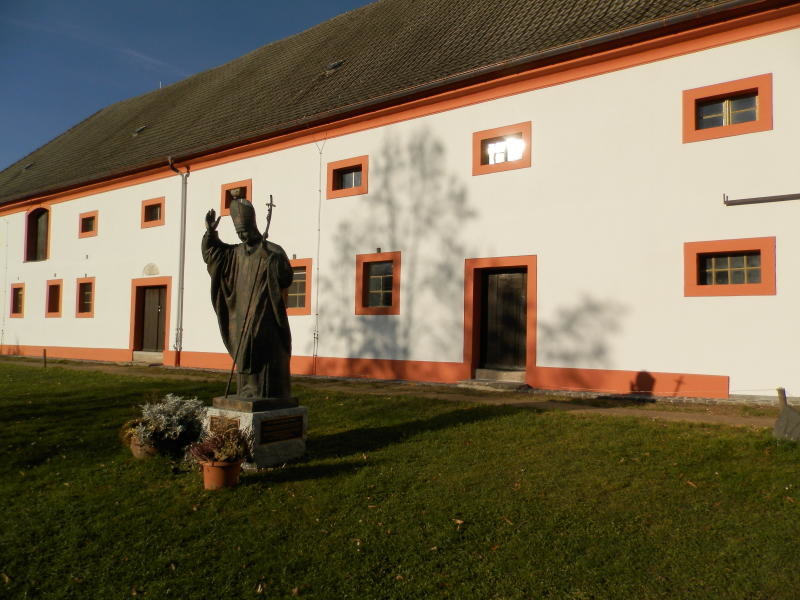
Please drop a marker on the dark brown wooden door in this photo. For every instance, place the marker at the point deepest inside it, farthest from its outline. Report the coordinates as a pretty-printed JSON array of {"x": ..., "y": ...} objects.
[
  {"x": 153, "y": 318},
  {"x": 503, "y": 319}
]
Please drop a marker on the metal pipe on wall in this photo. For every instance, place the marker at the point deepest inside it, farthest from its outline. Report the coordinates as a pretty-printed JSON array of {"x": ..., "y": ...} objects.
[{"x": 178, "y": 346}]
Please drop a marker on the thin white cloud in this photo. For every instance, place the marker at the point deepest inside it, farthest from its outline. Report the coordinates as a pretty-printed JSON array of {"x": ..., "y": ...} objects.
[{"x": 92, "y": 39}]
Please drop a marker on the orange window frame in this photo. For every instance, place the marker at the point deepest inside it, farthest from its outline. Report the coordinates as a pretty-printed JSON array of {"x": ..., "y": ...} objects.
[
  {"x": 154, "y": 222},
  {"x": 51, "y": 283},
  {"x": 760, "y": 84},
  {"x": 362, "y": 260},
  {"x": 87, "y": 215},
  {"x": 348, "y": 163},
  {"x": 478, "y": 137},
  {"x": 306, "y": 310},
  {"x": 89, "y": 314},
  {"x": 224, "y": 207},
  {"x": 21, "y": 313},
  {"x": 693, "y": 250}
]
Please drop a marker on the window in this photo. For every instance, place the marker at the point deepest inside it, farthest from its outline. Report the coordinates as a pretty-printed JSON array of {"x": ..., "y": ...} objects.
[
  {"x": 87, "y": 224},
  {"x": 53, "y": 298},
  {"x": 501, "y": 149},
  {"x": 298, "y": 297},
  {"x": 152, "y": 212},
  {"x": 242, "y": 189},
  {"x": 743, "y": 267},
  {"x": 37, "y": 234},
  {"x": 84, "y": 303},
  {"x": 348, "y": 177},
  {"x": 726, "y": 109},
  {"x": 378, "y": 283},
  {"x": 18, "y": 300}
]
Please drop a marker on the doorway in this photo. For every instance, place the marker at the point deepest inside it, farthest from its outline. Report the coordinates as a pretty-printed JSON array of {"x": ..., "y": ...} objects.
[
  {"x": 153, "y": 306},
  {"x": 500, "y": 318},
  {"x": 503, "y": 319}
]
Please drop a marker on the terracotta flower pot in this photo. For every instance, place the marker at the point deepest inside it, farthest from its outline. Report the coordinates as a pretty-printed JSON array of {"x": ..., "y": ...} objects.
[
  {"x": 142, "y": 450},
  {"x": 217, "y": 475}
]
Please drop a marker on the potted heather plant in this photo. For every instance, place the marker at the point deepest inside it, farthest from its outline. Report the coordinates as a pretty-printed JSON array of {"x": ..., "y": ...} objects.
[
  {"x": 220, "y": 454},
  {"x": 166, "y": 426}
]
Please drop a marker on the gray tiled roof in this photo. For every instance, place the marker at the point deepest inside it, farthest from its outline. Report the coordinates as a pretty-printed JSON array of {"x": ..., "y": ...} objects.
[{"x": 389, "y": 48}]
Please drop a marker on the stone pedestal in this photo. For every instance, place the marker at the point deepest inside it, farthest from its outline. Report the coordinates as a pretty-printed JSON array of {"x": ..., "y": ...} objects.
[{"x": 279, "y": 426}]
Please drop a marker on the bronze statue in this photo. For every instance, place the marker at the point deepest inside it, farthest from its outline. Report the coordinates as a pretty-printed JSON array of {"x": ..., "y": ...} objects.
[{"x": 247, "y": 284}]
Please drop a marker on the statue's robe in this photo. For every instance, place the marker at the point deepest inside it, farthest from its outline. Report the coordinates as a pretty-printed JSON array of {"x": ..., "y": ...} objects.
[{"x": 261, "y": 345}]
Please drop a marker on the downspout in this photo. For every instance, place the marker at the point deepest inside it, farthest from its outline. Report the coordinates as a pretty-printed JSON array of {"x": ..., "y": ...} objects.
[
  {"x": 315, "y": 351},
  {"x": 178, "y": 346}
]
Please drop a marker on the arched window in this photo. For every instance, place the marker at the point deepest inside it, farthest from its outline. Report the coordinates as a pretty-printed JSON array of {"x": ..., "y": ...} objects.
[{"x": 37, "y": 232}]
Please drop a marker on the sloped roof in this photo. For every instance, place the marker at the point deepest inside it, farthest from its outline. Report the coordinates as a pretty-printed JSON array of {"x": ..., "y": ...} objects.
[{"x": 390, "y": 49}]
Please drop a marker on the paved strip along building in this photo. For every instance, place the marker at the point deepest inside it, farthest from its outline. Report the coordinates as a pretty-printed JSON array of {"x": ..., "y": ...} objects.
[{"x": 578, "y": 194}]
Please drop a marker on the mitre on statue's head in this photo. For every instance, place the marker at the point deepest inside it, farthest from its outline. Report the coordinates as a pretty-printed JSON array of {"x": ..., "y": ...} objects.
[{"x": 242, "y": 213}]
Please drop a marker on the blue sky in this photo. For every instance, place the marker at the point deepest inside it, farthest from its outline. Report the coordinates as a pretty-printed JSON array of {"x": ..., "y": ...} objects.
[{"x": 63, "y": 60}]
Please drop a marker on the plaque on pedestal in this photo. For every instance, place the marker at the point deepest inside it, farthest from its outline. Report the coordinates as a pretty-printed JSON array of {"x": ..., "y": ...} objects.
[{"x": 279, "y": 433}]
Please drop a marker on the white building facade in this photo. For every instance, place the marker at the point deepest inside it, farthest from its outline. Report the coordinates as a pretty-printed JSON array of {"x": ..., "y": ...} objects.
[{"x": 566, "y": 222}]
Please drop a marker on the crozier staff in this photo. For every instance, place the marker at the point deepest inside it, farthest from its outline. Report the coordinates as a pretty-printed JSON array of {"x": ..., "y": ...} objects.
[{"x": 247, "y": 281}]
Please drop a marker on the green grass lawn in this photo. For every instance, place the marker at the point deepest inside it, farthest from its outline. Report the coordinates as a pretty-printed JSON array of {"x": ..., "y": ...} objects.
[{"x": 397, "y": 497}]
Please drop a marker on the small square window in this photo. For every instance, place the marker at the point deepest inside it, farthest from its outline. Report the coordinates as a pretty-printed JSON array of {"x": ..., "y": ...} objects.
[
  {"x": 153, "y": 212},
  {"x": 18, "y": 300},
  {"x": 501, "y": 149},
  {"x": 298, "y": 295},
  {"x": 87, "y": 224},
  {"x": 727, "y": 109},
  {"x": 237, "y": 189},
  {"x": 84, "y": 303},
  {"x": 743, "y": 267},
  {"x": 53, "y": 298},
  {"x": 378, "y": 284},
  {"x": 348, "y": 177}
]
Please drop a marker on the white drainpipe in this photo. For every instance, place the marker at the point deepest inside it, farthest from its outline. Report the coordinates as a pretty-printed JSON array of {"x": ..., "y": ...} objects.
[{"x": 181, "y": 264}]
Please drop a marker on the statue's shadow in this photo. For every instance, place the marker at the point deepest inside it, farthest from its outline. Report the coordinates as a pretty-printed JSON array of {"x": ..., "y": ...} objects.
[{"x": 363, "y": 440}]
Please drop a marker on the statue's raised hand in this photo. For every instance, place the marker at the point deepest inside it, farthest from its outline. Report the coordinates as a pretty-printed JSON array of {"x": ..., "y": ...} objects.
[{"x": 212, "y": 220}]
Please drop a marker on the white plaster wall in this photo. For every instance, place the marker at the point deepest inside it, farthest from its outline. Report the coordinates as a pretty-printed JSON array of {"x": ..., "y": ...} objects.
[
  {"x": 118, "y": 253},
  {"x": 607, "y": 205}
]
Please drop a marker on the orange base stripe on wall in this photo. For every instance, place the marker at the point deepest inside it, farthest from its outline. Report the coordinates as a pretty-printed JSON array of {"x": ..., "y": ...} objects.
[
  {"x": 548, "y": 378},
  {"x": 100, "y": 354},
  {"x": 630, "y": 382}
]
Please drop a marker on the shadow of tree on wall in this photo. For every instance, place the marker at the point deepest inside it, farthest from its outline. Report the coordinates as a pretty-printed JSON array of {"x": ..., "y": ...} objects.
[
  {"x": 579, "y": 335},
  {"x": 413, "y": 206}
]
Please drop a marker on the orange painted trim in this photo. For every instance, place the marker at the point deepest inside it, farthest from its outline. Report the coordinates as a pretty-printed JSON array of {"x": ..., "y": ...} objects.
[
  {"x": 478, "y": 137},
  {"x": 153, "y": 202},
  {"x": 693, "y": 250},
  {"x": 207, "y": 360},
  {"x": 52, "y": 283},
  {"x": 760, "y": 84},
  {"x": 631, "y": 382},
  {"x": 348, "y": 163},
  {"x": 555, "y": 378},
  {"x": 87, "y": 215},
  {"x": 149, "y": 282},
  {"x": 89, "y": 314},
  {"x": 472, "y": 307},
  {"x": 306, "y": 310},
  {"x": 97, "y": 354},
  {"x": 638, "y": 53},
  {"x": 362, "y": 260},
  {"x": 224, "y": 208},
  {"x": 21, "y": 313}
]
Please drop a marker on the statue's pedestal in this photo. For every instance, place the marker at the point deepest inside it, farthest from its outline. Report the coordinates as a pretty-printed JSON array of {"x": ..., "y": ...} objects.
[{"x": 279, "y": 426}]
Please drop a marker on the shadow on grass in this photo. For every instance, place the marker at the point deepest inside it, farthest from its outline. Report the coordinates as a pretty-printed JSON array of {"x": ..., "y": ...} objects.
[
  {"x": 369, "y": 439},
  {"x": 301, "y": 472}
]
